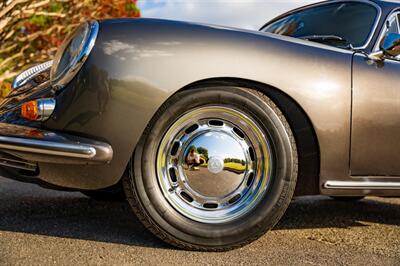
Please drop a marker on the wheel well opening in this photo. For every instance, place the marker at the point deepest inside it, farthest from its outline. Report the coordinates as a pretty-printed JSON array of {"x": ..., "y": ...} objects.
[{"x": 303, "y": 130}]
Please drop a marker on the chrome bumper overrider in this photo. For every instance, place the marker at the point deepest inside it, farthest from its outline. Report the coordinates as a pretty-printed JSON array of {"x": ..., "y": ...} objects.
[{"x": 38, "y": 145}]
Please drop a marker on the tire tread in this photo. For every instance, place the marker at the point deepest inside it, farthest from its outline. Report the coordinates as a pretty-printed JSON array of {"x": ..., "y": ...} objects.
[{"x": 279, "y": 208}]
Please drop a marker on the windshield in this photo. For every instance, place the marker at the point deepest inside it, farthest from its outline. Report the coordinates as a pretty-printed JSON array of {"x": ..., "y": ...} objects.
[{"x": 343, "y": 25}]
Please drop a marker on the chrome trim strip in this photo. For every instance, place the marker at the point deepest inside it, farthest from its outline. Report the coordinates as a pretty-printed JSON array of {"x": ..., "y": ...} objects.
[
  {"x": 47, "y": 147},
  {"x": 31, "y": 72},
  {"x": 363, "y": 185},
  {"x": 375, "y": 27}
]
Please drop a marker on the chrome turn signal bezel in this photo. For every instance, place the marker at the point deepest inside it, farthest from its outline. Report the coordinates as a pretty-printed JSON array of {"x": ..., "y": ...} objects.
[{"x": 39, "y": 109}]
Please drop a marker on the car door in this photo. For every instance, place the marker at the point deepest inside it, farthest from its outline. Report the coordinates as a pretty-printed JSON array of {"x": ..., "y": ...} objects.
[{"x": 375, "y": 134}]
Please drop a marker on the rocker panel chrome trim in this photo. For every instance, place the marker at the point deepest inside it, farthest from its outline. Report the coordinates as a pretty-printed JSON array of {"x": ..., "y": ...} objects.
[{"x": 361, "y": 185}]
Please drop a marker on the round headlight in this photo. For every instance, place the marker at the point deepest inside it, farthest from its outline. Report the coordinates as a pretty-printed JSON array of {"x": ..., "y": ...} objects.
[{"x": 73, "y": 53}]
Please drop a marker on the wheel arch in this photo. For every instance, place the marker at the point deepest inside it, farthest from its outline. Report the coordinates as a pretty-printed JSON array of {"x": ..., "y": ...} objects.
[{"x": 300, "y": 123}]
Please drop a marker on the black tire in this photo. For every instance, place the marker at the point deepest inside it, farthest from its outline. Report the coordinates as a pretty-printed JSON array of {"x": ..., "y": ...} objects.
[
  {"x": 147, "y": 201},
  {"x": 347, "y": 198},
  {"x": 114, "y": 193}
]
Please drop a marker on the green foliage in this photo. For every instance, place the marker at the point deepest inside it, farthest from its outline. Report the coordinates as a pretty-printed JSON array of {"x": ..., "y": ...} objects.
[
  {"x": 56, "y": 7},
  {"x": 192, "y": 147},
  {"x": 39, "y": 21},
  {"x": 131, "y": 7},
  {"x": 203, "y": 151}
]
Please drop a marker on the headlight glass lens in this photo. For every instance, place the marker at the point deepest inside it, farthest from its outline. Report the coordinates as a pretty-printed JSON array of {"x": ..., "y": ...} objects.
[{"x": 73, "y": 52}]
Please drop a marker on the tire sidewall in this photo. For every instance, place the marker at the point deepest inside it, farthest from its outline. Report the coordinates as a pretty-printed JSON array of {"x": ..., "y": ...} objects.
[{"x": 280, "y": 187}]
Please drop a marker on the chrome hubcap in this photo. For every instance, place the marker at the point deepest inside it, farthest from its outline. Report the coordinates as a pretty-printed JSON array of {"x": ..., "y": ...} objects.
[
  {"x": 222, "y": 164},
  {"x": 213, "y": 164}
]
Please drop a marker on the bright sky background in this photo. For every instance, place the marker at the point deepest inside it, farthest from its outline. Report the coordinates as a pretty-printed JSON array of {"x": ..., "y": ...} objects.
[{"x": 249, "y": 14}]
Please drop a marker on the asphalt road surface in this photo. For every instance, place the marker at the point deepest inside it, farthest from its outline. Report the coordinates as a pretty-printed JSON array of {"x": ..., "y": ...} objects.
[{"x": 44, "y": 227}]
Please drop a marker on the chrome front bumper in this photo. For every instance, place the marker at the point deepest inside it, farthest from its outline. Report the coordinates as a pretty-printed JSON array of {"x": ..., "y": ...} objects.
[
  {"x": 36, "y": 145},
  {"x": 40, "y": 146}
]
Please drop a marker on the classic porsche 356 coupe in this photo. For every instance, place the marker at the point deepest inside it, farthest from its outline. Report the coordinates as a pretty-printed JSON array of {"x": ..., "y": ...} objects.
[{"x": 210, "y": 131}]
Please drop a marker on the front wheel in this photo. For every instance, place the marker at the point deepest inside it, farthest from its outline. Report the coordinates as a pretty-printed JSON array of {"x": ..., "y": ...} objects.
[{"x": 214, "y": 170}]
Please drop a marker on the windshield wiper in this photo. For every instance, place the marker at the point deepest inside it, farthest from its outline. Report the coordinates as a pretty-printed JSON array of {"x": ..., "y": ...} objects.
[
  {"x": 333, "y": 40},
  {"x": 323, "y": 37}
]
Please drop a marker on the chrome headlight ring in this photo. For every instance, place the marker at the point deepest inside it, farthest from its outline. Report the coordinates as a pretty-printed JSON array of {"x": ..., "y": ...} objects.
[
  {"x": 30, "y": 73},
  {"x": 73, "y": 53}
]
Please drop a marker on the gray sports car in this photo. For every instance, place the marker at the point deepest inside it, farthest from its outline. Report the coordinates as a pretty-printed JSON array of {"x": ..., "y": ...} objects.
[{"x": 210, "y": 131}]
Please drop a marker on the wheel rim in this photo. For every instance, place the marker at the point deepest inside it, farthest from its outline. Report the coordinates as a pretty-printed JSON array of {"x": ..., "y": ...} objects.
[{"x": 232, "y": 170}]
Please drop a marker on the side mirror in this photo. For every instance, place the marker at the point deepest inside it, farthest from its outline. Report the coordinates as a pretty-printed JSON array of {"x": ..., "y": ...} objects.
[{"x": 389, "y": 47}]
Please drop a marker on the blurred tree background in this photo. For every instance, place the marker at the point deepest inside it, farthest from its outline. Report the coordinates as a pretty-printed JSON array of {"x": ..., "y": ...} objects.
[{"x": 32, "y": 30}]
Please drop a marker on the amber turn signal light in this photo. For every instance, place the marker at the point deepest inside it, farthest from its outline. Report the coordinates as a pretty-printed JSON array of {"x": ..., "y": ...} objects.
[
  {"x": 29, "y": 110},
  {"x": 38, "y": 110}
]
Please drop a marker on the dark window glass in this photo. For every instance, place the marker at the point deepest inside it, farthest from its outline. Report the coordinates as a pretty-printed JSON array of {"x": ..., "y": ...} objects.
[{"x": 351, "y": 22}]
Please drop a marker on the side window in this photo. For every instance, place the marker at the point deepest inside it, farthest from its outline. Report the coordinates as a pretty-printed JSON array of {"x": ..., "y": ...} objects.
[{"x": 350, "y": 21}]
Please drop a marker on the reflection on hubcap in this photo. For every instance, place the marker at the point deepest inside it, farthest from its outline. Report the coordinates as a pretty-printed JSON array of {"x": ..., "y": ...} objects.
[
  {"x": 222, "y": 162},
  {"x": 213, "y": 164}
]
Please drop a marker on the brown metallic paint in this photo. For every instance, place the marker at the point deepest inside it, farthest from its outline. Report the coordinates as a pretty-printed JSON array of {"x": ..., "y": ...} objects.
[
  {"x": 376, "y": 118},
  {"x": 151, "y": 57},
  {"x": 136, "y": 65}
]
